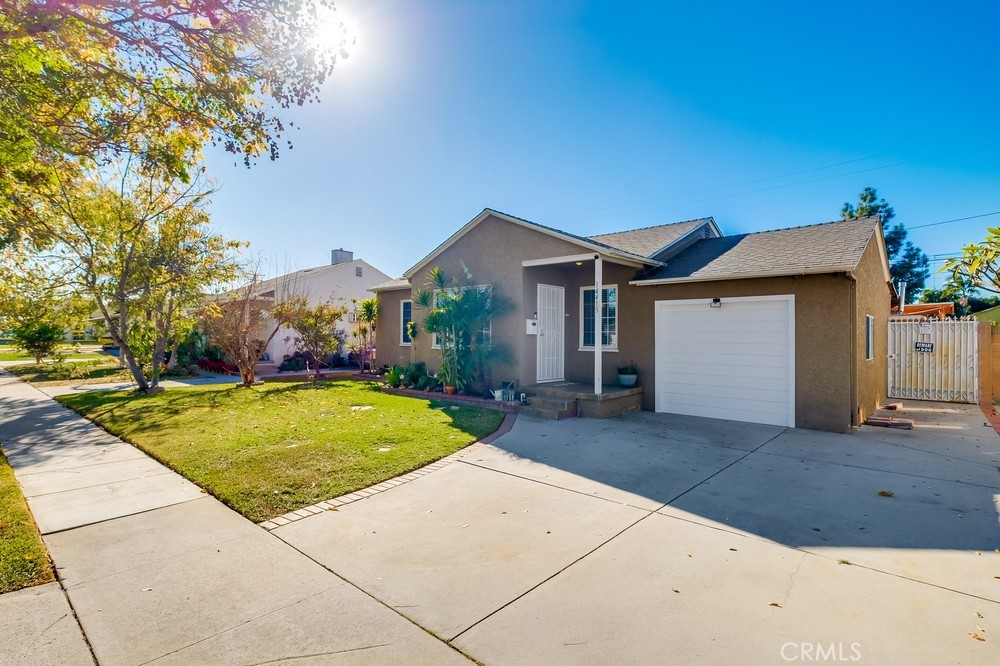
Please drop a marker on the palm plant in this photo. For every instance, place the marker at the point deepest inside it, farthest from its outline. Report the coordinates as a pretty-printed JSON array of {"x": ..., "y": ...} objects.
[
  {"x": 460, "y": 314},
  {"x": 366, "y": 312}
]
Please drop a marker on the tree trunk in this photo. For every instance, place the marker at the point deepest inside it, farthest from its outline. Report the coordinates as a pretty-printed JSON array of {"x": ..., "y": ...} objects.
[
  {"x": 125, "y": 355},
  {"x": 172, "y": 363}
]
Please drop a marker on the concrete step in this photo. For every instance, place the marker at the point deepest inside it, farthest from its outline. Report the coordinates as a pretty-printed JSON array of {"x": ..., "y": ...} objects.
[
  {"x": 544, "y": 413},
  {"x": 549, "y": 408},
  {"x": 545, "y": 402}
]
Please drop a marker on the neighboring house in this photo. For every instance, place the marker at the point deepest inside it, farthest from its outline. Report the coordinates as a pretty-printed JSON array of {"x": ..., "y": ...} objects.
[
  {"x": 989, "y": 314},
  {"x": 786, "y": 327},
  {"x": 346, "y": 278}
]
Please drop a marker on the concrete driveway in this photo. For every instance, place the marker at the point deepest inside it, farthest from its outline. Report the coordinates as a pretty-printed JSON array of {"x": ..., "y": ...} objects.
[{"x": 656, "y": 539}]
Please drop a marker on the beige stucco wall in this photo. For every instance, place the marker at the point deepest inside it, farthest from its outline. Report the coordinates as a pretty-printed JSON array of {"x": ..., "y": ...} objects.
[
  {"x": 833, "y": 388},
  {"x": 493, "y": 251},
  {"x": 823, "y": 359},
  {"x": 872, "y": 297},
  {"x": 388, "y": 350}
]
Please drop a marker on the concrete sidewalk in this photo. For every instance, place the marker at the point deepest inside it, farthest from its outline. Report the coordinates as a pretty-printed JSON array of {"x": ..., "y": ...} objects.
[
  {"x": 66, "y": 389},
  {"x": 153, "y": 570}
]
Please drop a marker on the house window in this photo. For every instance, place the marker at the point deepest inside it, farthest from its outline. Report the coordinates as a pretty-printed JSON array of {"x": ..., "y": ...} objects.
[
  {"x": 357, "y": 271},
  {"x": 609, "y": 317},
  {"x": 869, "y": 337},
  {"x": 406, "y": 308},
  {"x": 485, "y": 335}
]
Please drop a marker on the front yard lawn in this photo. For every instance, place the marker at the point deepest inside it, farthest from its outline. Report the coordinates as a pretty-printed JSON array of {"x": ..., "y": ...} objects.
[
  {"x": 276, "y": 448},
  {"x": 12, "y": 353},
  {"x": 23, "y": 561},
  {"x": 104, "y": 371}
]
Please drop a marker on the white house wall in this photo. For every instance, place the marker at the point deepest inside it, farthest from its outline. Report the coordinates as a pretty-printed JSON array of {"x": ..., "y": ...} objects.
[{"x": 319, "y": 285}]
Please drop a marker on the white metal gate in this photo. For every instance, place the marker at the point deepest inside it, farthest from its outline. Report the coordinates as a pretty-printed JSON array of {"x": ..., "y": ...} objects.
[{"x": 934, "y": 360}]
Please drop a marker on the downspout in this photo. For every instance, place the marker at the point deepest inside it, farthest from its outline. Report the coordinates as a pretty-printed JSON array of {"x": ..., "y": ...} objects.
[
  {"x": 855, "y": 409},
  {"x": 598, "y": 324}
]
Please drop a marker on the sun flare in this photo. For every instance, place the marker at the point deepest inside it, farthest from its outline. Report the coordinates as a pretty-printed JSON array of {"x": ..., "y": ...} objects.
[{"x": 336, "y": 34}]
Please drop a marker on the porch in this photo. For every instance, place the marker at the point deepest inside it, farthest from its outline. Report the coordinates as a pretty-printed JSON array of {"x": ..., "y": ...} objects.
[{"x": 564, "y": 399}]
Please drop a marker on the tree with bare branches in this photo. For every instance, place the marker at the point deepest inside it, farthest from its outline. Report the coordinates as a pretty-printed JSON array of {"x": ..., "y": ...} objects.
[{"x": 242, "y": 322}]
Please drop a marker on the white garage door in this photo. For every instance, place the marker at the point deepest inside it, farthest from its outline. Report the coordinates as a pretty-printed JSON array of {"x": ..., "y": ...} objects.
[{"x": 735, "y": 361}]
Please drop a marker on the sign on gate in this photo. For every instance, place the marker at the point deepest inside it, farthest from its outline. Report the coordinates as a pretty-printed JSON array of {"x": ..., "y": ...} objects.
[{"x": 934, "y": 360}]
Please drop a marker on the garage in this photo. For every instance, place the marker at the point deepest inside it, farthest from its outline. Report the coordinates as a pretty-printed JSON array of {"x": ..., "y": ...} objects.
[{"x": 729, "y": 358}]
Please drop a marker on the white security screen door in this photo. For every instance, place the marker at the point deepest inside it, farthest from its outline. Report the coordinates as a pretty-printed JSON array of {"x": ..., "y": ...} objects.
[{"x": 551, "y": 333}]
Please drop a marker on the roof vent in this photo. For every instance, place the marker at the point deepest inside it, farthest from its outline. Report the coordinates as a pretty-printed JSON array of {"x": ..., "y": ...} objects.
[{"x": 340, "y": 256}]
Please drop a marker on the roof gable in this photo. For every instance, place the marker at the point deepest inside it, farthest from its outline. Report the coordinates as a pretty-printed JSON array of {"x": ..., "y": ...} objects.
[
  {"x": 819, "y": 248},
  {"x": 651, "y": 241},
  {"x": 588, "y": 244}
]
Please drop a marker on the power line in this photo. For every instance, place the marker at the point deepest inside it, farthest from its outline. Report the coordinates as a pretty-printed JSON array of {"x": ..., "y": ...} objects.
[
  {"x": 607, "y": 211},
  {"x": 957, "y": 219}
]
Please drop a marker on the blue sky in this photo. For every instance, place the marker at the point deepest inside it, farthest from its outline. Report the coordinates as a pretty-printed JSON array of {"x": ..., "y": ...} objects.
[{"x": 601, "y": 116}]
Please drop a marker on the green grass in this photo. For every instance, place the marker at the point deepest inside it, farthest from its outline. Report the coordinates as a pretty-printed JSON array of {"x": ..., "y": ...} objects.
[
  {"x": 276, "y": 448},
  {"x": 103, "y": 371},
  {"x": 23, "y": 561},
  {"x": 12, "y": 353}
]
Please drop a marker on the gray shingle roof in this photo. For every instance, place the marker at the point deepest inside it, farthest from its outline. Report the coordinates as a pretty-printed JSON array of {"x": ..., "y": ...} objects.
[
  {"x": 650, "y": 240},
  {"x": 391, "y": 285},
  {"x": 833, "y": 245}
]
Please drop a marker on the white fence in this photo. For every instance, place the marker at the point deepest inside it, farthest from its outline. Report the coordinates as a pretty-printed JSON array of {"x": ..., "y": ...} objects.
[{"x": 934, "y": 360}]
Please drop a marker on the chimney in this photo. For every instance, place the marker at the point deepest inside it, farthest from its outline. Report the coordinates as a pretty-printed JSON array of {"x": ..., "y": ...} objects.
[{"x": 340, "y": 256}]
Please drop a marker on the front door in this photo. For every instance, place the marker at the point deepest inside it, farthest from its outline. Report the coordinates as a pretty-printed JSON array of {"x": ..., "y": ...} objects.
[{"x": 551, "y": 333}]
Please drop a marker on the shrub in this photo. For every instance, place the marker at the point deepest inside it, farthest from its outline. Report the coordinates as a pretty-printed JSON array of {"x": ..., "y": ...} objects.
[
  {"x": 38, "y": 339},
  {"x": 293, "y": 364},
  {"x": 216, "y": 366},
  {"x": 394, "y": 376}
]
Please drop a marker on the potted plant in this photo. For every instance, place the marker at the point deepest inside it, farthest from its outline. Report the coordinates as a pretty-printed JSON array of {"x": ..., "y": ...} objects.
[
  {"x": 448, "y": 379},
  {"x": 628, "y": 374}
]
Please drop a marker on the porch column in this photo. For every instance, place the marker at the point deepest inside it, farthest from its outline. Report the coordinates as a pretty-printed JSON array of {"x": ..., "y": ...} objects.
[{"x": 598, "y": 311}]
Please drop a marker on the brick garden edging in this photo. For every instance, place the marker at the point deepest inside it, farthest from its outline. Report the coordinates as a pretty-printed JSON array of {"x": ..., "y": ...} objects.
[
  {"x": 509, "y": 407},
  {"x": 333, "y": 504}
]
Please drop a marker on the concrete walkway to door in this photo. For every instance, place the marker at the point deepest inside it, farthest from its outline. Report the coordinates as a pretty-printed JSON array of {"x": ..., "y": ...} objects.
[{"x": 153, "y": 570}]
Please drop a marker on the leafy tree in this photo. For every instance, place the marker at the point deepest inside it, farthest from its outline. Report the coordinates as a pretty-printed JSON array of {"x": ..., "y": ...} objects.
[
  {"x": 84, "y": 82},
  {"x": 141, "y": 250},
  {"x": 40, "y": 339},
  {"x": 367, "y": 312},
  {"x": 316, "y": 328},
  {"x": 907, "y": 262},
  {"x": 33, "y": 291},
  {"x": 963, "y": 294},
  {"x": 978, "y": 268}
]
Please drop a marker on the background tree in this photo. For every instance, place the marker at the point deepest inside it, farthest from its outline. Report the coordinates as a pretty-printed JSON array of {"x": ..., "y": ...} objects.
[
  {"x": 40, "y": 339},
  {"x": 142, "y": 251},
  {"x": 242, "y": 322},
  {"x": 960, "y": 291},
  {"x": 316, "y": 329},
  {"x": 907, "y": 262},
  {"x": 366, "y": 312}
]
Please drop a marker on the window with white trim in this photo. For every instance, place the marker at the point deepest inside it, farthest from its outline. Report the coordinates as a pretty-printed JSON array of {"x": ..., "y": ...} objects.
[
  {"x": 609, "y": 317},
  {"x": 485, "y": 335},
  {"x": 869, "y": 337},
  {"x": 406, "y": 316}
]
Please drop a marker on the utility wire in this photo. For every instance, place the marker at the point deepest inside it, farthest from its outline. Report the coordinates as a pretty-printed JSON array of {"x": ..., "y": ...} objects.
[
  {"x": 608, "y": 210},
  {"x": 957, "y": 219}
]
